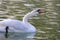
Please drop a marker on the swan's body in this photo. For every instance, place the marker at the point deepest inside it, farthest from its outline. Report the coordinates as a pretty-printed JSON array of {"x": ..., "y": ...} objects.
[{"x": 19, "y": 26}]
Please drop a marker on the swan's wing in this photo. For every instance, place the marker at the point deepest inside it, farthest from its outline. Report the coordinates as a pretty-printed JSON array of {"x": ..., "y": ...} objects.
[{"x": 14, "y": 25}]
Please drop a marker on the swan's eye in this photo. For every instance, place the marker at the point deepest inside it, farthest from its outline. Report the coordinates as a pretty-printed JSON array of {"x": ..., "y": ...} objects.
[{"x": 38, "y": 10}]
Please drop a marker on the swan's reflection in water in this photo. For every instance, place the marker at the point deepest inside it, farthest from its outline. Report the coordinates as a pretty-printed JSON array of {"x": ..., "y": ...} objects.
[{"x": 16, "y": 36}]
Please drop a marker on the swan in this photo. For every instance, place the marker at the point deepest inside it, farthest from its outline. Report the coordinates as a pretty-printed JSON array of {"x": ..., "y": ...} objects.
[{"x": 11, "y": 25}]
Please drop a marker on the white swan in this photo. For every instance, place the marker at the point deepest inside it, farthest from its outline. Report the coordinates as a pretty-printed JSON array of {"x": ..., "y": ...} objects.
[{"x": 20, "y": 26}]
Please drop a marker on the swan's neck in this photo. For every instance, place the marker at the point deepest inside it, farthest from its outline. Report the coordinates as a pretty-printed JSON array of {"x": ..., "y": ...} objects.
[
  {"x": 25, "y": 20},
  {"x": 27, "y": 16}
]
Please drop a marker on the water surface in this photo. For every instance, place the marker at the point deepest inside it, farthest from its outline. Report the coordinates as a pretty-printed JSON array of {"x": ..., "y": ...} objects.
[{"x": 47, "y": 24}]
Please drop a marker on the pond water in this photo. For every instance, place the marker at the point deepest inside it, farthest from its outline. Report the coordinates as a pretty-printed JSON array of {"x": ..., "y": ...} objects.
[{"x": 47, "y": 24}]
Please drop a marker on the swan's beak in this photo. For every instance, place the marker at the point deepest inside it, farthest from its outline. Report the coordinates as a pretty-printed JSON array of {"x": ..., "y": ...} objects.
[{"x": 41, "y": 11}]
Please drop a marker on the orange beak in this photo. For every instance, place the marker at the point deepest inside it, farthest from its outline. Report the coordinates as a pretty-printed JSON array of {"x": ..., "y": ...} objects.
[{"x": 41, "y": 11}]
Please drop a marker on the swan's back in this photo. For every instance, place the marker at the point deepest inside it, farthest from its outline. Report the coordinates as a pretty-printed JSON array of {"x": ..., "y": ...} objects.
[
  {"x": 10, "y": 22},
  {"x": 14, "y": 25}
]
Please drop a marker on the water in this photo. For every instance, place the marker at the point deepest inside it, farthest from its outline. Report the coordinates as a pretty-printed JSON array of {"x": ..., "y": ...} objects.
[
  {"x": 47, "y": 24},
  {"x": 16, "y": 36}
]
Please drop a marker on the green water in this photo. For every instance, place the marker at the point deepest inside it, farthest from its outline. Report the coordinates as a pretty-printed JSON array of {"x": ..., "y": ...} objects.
[{"x": 47, "y": 24}]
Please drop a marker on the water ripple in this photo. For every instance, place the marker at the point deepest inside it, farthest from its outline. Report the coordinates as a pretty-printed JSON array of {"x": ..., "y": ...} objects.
[{"x": 29, "y": 5}]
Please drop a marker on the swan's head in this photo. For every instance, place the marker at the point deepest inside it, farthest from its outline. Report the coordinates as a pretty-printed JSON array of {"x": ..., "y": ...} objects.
[{"x": 38, "y": 11}]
